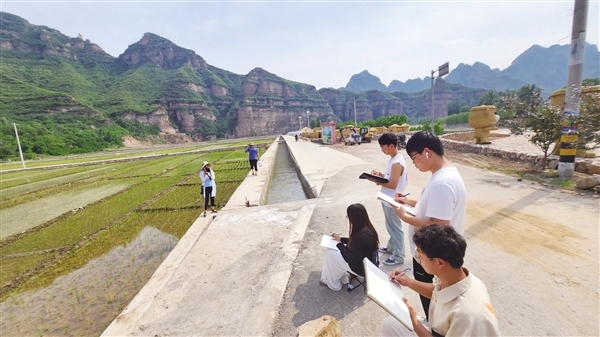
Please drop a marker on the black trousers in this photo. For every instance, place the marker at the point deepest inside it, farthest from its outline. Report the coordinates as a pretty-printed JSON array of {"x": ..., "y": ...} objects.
[
  {"x": 207, "y": 195},
  {"x": 253, "y": 164},
  {"x": 421, "y": 275}
]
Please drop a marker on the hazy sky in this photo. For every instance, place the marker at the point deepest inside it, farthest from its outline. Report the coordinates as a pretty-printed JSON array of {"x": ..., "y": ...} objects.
[{"x": 322, "y": 43}]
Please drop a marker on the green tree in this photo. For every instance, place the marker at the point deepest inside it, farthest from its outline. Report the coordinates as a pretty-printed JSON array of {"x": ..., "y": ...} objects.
[
  {"x": 541, "y": 123},
  {"x": 590, "y": 82},
  {"x": 588, "y": 122},
  {"x": 315, "y": 122},
  {"x": 455, "y": 107},
  {"x": 491, "y": 97}
]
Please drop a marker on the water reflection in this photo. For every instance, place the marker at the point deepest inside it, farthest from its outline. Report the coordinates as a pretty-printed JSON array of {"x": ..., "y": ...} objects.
[{"x": 85, "y": 301}]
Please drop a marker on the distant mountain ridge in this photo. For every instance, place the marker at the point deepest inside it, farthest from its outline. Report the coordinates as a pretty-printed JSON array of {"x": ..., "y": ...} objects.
[
  {"x": 69, "y": 96},
  {"x": 545, "y": 67}
]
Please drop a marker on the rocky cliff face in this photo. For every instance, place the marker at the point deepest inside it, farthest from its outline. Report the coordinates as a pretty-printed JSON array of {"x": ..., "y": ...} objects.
[
  {"x": 369, "y": 105},
  {"x": 18, "y": 35},
  {"x": 365, "y": 81},
  {"x": 272, "y": 105},
  {"x": 160, "y": 51}
]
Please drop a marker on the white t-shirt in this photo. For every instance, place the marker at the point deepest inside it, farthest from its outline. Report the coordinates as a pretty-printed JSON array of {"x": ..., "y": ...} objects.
[
  {"x": 402, "y": 181},
  {"x": 443, "y": 197}
]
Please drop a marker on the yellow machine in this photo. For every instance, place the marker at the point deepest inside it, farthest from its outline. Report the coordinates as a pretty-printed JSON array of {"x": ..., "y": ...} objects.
[{"x": 365, "y": 135}]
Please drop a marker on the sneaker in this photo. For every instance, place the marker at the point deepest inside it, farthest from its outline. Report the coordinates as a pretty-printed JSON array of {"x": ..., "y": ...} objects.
[
  {"x": 345, "y": 279},
  {"x": 214, "y": 211},
  {"x": 204, "y": 214},
  {"x": 392, "y": 262},
  {"x": 384, "y": 250},
  {"x": 323, "y": 282}
]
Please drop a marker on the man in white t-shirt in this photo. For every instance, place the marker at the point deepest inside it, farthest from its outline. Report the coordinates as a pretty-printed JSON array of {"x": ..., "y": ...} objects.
[
  {"x": 396, "y": 174},
  {"x": 443, "y": 200}
]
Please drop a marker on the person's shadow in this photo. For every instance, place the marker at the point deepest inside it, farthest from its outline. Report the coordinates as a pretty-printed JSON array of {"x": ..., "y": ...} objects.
[{"x": 313, "y": 300}]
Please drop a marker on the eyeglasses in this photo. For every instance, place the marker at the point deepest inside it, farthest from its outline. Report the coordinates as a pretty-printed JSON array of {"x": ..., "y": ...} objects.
[
  {"x": 412, "y": 156},
  {"x": 418, "y": 256}
]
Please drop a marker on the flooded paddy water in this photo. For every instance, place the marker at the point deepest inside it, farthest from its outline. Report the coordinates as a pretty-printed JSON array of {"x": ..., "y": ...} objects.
[{"x": 75, "y": 270}]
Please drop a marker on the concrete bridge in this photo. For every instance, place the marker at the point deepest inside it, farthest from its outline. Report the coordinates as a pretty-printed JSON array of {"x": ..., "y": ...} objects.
[{"x": 253, "y": 271}]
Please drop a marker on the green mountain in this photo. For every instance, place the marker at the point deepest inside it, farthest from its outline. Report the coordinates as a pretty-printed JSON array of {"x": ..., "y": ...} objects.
[{"x": 67, "y": 95}]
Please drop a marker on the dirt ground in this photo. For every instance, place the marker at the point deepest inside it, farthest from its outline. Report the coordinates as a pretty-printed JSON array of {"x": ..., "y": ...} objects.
[{"x": 468, "y": 137}]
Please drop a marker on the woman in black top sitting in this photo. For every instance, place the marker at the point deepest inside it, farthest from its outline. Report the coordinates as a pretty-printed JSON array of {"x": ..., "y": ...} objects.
[{"x": 363, "y": 242}]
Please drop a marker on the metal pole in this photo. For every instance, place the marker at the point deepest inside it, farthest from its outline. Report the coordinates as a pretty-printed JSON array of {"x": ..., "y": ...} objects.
[
  {"x": 308, "y": 119},
  {"x": 19, "y": 144},
  {"x": 355, "y": 112},
  {"x": 432, "y": 106},
  {"x": 568, "y": 139}
]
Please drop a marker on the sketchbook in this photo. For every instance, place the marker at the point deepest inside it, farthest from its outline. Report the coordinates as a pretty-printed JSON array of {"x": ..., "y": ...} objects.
[
  {"x": 373, "y": 178},
  {"x": 386, "y": 294},
  {"x": 327, "y": 241},
  {"x": 393, "y": 202}
]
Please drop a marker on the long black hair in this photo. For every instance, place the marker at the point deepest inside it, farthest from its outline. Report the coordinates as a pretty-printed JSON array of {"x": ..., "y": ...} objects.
[{"x": 358, "y": 220}]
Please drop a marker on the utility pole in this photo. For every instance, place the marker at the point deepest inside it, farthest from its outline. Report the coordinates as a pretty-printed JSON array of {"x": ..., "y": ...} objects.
[
  {"x": 568, "y": 139},
  {"x": 19, "y": 144},
  {"x": 308, "y": 119},
  {"x": 442, "y": 70},
  {"x": 355, "y": 125},
  {"x": 432, "y": 106}
]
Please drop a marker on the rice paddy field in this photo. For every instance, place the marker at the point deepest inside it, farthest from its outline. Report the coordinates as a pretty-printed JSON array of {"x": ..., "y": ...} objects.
[{"x": 77, "y": 243}]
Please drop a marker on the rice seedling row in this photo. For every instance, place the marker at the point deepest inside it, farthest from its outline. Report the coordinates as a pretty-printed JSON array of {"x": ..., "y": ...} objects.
[
  {"x": 13, "y": 266},
  {"x": 39, "y": 185},
  {"x": 61, "y": 233},
  {"x": 11, "y": 179},
  {"x": 52, "y": 190},
  {"x": 87, "y": 304},
  {"x": 180, "y": 196},
  {"x": 71, "y": 229},
  {"x": 160, "y": 166}
]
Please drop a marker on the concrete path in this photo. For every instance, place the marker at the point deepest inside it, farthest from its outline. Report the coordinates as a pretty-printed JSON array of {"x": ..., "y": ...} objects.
[{"x": 255, "y": 271}]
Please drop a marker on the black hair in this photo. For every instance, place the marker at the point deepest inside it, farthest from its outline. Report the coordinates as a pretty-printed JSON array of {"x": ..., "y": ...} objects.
[
  {"x": 442, "y": 242},
  {"x": 388, "y": 138},
  {"x": 359, "y": 222},
  {"x": 421, "y": 140}
]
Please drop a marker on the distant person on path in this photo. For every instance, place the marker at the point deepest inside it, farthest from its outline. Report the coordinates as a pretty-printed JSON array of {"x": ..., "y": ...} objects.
[
  {"x": 362, "y": 242},
  {"x": 296, "y": 136},
  {"x": 398, "y": 181},
  {"x": 209, "y": 186},
  {"x": 253, "y": 157},
  {"x": 443, "y": 199},
  {"x": 461, "y": 304}
]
